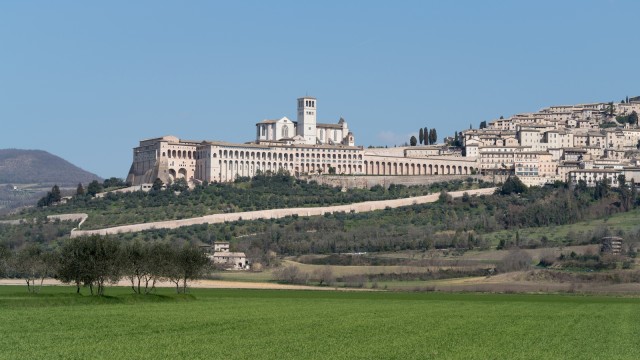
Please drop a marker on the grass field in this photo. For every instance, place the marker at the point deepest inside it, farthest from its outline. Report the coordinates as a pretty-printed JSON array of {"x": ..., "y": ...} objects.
[{"x": 245, "y": 324}]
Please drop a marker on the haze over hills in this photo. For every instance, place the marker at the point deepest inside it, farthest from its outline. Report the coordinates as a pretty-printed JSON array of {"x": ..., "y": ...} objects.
[{"x": 40, "y": 167}]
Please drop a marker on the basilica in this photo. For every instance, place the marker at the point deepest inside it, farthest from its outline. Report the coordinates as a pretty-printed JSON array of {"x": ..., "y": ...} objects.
[{"x": 301, "y": 147}]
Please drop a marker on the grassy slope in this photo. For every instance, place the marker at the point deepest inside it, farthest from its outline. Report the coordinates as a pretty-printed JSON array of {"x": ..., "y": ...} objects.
[
  {"x": 557, "y": 234},
  {"x": 264, "y": 193},
  {"x": 293, "y": 325}
]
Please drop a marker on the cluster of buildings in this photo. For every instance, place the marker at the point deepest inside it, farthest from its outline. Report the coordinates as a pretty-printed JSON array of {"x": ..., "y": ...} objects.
[
  {"x": 301, "y": 147},
  {"x": 565, "y": 143},
  {"x": 559, "y": 143}
]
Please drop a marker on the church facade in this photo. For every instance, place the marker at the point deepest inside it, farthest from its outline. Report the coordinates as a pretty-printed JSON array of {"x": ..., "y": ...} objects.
[{"x": 299, "y": 147}]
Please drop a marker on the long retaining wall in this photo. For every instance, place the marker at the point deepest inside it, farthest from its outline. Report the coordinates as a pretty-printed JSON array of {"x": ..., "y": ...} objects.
[
  {"x": 369, "y": 181},
  {"x": 277, "y": 213}
]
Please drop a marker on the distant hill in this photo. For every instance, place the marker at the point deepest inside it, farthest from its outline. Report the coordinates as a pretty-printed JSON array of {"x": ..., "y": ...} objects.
[{"x": 40, "y": 167}]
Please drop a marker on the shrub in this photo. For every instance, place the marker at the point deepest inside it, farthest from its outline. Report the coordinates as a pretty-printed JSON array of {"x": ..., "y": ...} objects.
[
  {"x": 290, "y": 274},
  {"x": 515, "y": 260}
]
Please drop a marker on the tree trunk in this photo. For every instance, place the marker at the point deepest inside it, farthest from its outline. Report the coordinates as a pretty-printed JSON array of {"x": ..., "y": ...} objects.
[{"x": 148, "y": 290}]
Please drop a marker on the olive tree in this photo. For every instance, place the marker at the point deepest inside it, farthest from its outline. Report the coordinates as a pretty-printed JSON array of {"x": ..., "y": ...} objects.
[
  {"x": 93, "y": 261},
  {"x": 32, "y": 263},
  {"x": 187, "y": 263}
]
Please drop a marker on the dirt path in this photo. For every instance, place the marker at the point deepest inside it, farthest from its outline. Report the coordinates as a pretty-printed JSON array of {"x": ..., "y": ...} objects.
[
  {"x": 203, "y": 284},
  {"x": 277, "y": 213}
]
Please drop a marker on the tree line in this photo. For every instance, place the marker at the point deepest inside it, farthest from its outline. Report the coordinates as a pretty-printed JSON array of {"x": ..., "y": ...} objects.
[
  {"x": 97, "y": 261},
  {"x": 54, "y": 196},
  {"x": 426, "y": 136}
]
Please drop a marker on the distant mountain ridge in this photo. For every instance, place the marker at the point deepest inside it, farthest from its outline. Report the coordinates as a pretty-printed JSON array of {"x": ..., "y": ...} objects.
[{"x": 40, "y": 167}]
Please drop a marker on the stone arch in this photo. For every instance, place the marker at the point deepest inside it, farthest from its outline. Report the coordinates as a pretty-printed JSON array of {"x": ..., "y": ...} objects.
[{"x": 182, "y": 173}]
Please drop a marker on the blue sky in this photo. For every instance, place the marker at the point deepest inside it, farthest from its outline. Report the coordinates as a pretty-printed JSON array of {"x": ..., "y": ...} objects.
[{"x": 88, "y": 80}]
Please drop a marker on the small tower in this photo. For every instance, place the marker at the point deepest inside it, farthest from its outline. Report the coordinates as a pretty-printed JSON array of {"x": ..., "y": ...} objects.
[{"x": 307, "y": 119}]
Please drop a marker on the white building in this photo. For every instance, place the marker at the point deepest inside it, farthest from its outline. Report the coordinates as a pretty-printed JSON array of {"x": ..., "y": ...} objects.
[
  {"x": 301, "y": 147},
  {"x": 222, "y": 256},
  {"x": 306, "y": 130}
]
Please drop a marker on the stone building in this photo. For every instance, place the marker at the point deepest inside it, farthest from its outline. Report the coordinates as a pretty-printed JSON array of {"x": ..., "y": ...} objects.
[
  {"x": 575, "y": 137},
  {"x": 303, "y": 147}
]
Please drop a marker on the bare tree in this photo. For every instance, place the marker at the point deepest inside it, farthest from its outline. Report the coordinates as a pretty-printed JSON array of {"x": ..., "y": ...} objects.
[{"x": 324, "y": 276}]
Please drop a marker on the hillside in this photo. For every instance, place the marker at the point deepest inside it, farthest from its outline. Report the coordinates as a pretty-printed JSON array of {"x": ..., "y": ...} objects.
[{"x": 40, "y": 167}]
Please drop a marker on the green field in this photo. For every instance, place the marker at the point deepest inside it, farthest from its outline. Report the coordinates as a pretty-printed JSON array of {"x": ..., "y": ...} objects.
[{"x": 245, "y": 324}]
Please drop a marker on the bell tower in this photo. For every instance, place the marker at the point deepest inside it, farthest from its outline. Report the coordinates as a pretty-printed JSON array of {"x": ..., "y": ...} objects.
[{"x": 307, "y": 119}]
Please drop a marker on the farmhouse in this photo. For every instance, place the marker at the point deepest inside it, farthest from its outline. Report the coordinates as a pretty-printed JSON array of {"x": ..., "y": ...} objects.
[{"x": 222, "y": 256}]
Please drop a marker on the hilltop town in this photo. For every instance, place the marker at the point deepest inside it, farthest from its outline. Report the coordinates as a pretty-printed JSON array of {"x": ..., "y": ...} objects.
[{"x": 589, "y": 142}]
